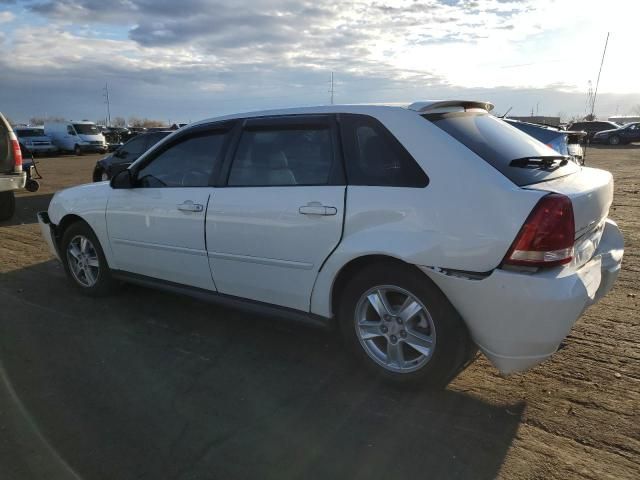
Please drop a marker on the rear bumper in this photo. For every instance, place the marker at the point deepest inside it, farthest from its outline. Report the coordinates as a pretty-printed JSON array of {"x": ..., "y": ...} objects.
[
  {"x": 519, "y": 319},
  {"x": 12, "y": 181},
  {"x": 48, "y": 232},
  {"x": 42, "y": 148}
]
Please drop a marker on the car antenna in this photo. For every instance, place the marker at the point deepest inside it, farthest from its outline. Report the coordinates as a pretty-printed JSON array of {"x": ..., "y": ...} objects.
[{"x": 506, "y": 113}]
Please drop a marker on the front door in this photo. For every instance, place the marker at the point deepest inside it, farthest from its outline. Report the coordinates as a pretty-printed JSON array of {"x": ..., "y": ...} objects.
[
  {"x": 280, "y": 215},
  {"x": 157, "y": 228}
]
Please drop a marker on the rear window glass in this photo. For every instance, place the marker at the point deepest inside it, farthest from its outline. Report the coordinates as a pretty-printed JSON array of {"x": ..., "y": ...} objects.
[
  {"x": 30, "y": 132},
  {"x": 498, "y": 143}
]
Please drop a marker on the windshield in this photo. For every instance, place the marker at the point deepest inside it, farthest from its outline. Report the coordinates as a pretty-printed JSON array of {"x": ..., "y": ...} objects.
[
  {"x": 498, "y": 143},
  {"x": 30, "y": 132},
  {"x": 86, "y": 128}
]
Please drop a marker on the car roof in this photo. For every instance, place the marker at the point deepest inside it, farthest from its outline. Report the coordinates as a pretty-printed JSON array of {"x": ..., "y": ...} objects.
[{"x": 428, "y": 106}]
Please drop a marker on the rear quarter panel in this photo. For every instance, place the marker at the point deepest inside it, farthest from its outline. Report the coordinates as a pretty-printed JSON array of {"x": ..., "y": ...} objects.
[{"x": 465, "y": 219}]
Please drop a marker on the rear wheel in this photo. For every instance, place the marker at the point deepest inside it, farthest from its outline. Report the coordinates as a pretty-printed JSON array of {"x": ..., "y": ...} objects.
[
  {"x": 614, "y": 140},
  {"x": 84, "y": 260},
  {"x": 402, "y": 327},
  {"x": 7, "y": 205}
]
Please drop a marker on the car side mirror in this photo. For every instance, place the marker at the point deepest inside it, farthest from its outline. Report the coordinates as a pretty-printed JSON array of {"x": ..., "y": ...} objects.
[
  {"x": 120, "y": 153},
  {"x": 123, "y": 180}
]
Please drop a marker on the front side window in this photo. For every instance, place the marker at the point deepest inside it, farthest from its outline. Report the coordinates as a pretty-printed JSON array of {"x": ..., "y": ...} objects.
[
  {"x": 283, "y": 156},
  {"x": 373, "y": 156},
  {"x": 70, "y": 130},
  {"x": 188, "y": 163}
]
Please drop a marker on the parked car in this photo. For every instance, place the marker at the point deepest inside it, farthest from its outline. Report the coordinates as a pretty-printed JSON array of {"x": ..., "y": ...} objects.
[
  {"x": 35, "y": 141},
  {"x": 124, "y": 156},
  {"x": 562, "y": 141},
  {"x": 422, "y": 231},
  {"x": 76, "y": 137},
  {"x": 619, "y": 136},
  {"x": 12, "y": 177},
  {"x": 592, "y": 127}
]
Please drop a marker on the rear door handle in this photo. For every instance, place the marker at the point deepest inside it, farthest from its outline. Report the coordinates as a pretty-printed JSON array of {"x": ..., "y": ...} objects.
[
  {"x": 317, "y": 210},
  {"x": 189, "y": 206}
]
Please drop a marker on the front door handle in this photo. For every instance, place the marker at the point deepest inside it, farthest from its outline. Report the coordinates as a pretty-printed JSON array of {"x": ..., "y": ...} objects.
[
  {"x": 189, "y": 206},
  {"x": 317, "y": 210}
]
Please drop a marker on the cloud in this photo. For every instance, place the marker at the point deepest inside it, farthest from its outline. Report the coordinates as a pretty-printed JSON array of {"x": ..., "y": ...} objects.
[
  {"x": 6, "y": 17},
  {"x": 200, "y": 56}
]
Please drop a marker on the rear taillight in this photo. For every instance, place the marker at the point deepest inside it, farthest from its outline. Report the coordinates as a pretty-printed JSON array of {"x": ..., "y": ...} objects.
[
  {"x": 546, "y": 239},
  {"x": 17, "y": 153}
]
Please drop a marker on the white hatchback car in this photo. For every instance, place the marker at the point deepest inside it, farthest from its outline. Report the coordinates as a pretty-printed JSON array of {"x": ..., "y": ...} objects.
[{"x": 423, "y": 230}]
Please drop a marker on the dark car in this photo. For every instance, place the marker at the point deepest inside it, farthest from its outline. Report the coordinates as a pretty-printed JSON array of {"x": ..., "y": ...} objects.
[
  {"x": 619, "y": 136},
  {"x": 565, "y": 142},
  {"x": 126, "y": 155},
  {"x": 592, "y": 127}
]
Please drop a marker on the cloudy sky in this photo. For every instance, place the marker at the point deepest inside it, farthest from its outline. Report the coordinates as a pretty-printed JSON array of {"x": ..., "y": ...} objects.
[{"x": 183, "y": 60}]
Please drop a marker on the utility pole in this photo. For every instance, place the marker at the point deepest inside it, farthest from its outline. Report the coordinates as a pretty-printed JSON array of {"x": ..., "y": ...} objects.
[
  {"x": 331, "y": 90},
  {"x": 595, "y": 93},
  {"x": 106, "y": 100}
]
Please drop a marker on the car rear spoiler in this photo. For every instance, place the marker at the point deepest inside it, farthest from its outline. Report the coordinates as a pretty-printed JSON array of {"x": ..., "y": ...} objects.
[{"x": 449, "y": 105}]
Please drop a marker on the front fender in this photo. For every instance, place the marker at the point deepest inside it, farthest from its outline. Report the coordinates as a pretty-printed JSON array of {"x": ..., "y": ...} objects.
[{"x": 89, "y": 202}]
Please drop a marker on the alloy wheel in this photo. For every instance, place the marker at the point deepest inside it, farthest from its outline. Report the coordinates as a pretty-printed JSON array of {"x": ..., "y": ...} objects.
[
  {"x": 83, "y": 260},
  {"x": 395, "y": 328}
]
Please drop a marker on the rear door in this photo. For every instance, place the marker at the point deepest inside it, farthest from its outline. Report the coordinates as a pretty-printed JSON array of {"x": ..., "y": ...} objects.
[{"x": 279, "y": 215}]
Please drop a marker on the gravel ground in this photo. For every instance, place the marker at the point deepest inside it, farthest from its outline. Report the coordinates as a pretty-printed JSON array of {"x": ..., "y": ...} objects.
[{"x": 150, "y": 385}]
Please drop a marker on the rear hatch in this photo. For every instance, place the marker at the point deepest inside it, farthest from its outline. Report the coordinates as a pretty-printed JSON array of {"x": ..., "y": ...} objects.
[
  {"x": 7, "y": 160},
  {"x": 532, "y": 165},
  {"x": 591, "y": 194}
]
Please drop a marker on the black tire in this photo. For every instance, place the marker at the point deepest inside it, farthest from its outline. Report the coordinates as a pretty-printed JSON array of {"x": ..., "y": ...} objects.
[
  {"x": 104, "y": 283},
  {"x": 77, "y": 150},
  {"x": 614, "y": 140},
  {"x": 453, "y": 349},
  {"x": 7, "y": 205}
]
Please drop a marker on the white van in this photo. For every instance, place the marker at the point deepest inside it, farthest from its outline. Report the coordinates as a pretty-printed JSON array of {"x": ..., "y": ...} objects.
[{"x": 76, "y": 137}]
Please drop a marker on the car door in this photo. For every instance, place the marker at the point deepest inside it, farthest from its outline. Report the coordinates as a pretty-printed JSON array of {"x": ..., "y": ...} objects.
[
  {"x": 271, "y": 226},
  {"x": 156, "y": 229},
  {"x": 631, "y": 133}
]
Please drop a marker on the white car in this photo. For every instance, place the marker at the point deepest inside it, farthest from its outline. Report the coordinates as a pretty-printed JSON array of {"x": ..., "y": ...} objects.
[{"x": 424, "y": 231}]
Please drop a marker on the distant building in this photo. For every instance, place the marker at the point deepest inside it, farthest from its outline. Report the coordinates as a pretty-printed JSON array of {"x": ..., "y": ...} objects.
[
  {"x": 553, "y": 121},
  {"x": 624, "y": 119}
]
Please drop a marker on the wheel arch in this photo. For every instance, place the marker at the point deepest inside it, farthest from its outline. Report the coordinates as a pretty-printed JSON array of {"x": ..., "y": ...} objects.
[
  {"x": 353, "y": 266},
  {"x": 65, "y": 222}
]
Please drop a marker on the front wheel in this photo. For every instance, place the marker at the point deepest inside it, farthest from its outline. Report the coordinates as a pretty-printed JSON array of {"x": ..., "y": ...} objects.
[
  {"x": 77, "y": 150},
  {"x": 84, "y": 261},
  {"x": 402, "y": 327},
  {"x": 614, "y": 140},
  {"x": 7, "y": 205}
]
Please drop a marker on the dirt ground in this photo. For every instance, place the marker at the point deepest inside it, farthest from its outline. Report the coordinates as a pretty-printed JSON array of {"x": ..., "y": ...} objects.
[{"x": 150, "y": 385}]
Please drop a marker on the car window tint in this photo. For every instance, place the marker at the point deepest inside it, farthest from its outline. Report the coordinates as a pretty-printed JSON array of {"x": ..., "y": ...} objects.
[
  {"x": 287, "y": 156},
  {"x": 134, "y": 147},
  {"x": 188, "y": 163},
  {"x": 374, "y": 157},
  {"x": 498, "y": 143}
]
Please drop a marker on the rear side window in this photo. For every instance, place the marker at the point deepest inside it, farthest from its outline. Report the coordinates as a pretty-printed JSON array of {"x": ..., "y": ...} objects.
[
  {"x": 373, "y": 156},
  {"x": 498, "y": 143},
  {"x": 295, "y": 155}
]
